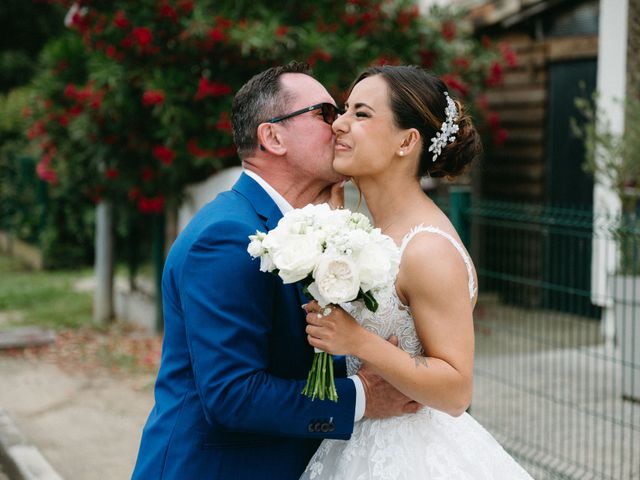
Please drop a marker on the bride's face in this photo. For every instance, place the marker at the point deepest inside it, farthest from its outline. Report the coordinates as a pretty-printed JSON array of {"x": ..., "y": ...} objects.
[{"x": 367, "y": 139}]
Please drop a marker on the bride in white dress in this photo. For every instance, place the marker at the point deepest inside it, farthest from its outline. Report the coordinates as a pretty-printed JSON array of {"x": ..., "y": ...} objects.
[{"x": 400, "y": 123}]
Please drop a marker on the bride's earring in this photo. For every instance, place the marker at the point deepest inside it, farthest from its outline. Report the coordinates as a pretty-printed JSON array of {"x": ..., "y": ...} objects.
[{"x": 401, "y": 153}]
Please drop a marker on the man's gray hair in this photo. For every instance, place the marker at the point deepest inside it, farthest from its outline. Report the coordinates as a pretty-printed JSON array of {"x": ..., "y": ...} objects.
[{"x": 260, "y": 99}]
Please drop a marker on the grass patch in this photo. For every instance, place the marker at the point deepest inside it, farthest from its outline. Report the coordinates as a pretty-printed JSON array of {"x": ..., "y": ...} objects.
[{"x": 45, "y": 298}]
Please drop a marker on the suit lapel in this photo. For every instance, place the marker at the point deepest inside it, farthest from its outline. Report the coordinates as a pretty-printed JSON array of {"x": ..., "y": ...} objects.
[
  {"x": 260, "y": 200},
  {"x": 266, "y": 208}
]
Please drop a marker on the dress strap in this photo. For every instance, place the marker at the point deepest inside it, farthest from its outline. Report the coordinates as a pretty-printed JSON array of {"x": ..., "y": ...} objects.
[{"x": 431, "y": 229}]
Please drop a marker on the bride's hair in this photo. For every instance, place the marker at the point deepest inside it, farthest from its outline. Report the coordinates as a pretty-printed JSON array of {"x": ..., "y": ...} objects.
[{"x": 418, "y": 101}]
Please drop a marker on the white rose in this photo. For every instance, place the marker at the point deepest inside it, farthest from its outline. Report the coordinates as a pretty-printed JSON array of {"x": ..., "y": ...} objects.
[
  {"x": 255, "y": 247},
  {"x": 378, "y": 262},
  {"x": 266, "y": 263},
  {"x": 336, "y": 280},
  {"x": 359, "y": 221},
  {"x": 296, "y": 256}
]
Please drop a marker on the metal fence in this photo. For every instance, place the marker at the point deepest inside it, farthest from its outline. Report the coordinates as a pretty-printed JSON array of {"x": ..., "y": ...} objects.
[{"x": 557, "y": 338}]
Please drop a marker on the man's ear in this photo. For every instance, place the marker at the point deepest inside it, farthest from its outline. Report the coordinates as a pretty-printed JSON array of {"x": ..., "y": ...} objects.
[{"x": 270, "y": 139}]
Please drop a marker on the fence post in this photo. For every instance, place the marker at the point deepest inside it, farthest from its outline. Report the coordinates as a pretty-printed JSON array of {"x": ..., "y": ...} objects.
[
  {"x": 103, "y": 300},
  {"x": 459, "y": 204}
]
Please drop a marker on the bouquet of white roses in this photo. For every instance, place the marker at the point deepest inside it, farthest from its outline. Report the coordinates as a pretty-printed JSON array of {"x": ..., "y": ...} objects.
[{"x": 338, "y": 256}]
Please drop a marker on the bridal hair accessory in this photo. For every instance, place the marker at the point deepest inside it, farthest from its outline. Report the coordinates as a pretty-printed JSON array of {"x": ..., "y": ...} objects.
[{"x": 448, "y": 129}]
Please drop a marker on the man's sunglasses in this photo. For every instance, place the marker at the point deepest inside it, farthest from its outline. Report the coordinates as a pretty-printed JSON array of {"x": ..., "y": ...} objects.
[{"x": 329, "y": 113}]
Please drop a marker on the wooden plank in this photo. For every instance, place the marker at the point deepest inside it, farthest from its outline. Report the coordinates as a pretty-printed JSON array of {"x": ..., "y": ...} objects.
[
  {"x": 521, "y": 77},
  {"x": 25, "y": 337},
  {"x": 572, "y": 48},
  {"x": 533, "y": 58},
  {"x": 517, "y": 172},
  {"x": 521, "y": 135},
  {"x": 498, "y": 158},
  {"x": 522, "y": 115},
  {"x": 515, "y": 191},
  {"x": 535, "y": 96}
]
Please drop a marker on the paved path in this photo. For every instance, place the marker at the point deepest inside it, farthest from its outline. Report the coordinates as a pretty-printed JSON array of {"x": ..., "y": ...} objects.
[{"x": 87, "y": 427}]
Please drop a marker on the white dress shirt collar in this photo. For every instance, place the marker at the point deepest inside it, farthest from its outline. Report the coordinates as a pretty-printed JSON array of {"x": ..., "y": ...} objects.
[{"x": 279, "y": 200}]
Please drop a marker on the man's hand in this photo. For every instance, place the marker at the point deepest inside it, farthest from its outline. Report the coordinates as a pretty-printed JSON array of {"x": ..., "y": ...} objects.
[
  {"x": 333, "y": 195},
  {"x": 383, "y": 400}
]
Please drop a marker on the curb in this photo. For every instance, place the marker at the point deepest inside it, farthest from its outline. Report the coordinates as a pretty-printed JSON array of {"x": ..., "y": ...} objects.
[{"x": 21, "y": 460}]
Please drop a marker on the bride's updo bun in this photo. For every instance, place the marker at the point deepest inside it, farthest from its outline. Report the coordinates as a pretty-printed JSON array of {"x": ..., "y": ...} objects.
[{"x": 418, "y": 101}]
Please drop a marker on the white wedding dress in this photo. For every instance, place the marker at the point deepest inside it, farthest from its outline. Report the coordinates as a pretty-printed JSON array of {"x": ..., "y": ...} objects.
[{"x": 428, "y": 445}]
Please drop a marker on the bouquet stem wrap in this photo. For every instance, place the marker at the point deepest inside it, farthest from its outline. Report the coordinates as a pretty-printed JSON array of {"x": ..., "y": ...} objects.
[{"x": 320, "y": 381}]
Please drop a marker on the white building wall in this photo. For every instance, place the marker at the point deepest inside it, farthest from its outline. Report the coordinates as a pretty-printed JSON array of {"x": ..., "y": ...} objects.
[{"x": 611, "y": 87}]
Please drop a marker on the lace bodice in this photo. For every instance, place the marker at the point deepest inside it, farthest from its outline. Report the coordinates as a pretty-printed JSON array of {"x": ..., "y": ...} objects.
[
  {"x": 392, "y": 316},
  {"x": 425, "y": 445}
]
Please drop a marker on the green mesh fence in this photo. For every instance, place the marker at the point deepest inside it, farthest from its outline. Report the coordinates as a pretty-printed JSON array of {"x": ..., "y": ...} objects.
[{"x": 557, "y": 337}]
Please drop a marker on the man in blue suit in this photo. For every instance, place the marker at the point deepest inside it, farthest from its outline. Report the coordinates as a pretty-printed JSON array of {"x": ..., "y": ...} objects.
[{"x": 235, "y": 355}]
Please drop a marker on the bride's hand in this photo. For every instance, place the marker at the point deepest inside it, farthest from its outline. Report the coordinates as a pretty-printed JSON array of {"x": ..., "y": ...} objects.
[
  {"x": 332, "y": 330},
  {"x": 333, "y": 195}
]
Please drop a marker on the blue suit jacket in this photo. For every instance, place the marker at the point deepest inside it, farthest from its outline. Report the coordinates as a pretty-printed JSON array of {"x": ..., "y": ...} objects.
[{"x": 234, "y": 358}]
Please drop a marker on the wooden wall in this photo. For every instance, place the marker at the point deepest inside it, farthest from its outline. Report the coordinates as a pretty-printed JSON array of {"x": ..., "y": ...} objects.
[{"x": 516, "y": 171}]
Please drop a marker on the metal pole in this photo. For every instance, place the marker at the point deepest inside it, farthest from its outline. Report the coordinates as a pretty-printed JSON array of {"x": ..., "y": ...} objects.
[
  {"x": 103, "y": 299},
  {"x": 460, "y": 202}
]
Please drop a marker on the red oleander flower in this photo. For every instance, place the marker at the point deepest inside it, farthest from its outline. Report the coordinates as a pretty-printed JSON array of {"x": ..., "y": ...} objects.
[
  {"x": 37, "y": 129},
  {"x": 226, "y": 151},
  {"x": 164, "y": 154},
  {"x": 216, "y": 35},
  {"x": 483, "y": 102},
  {"x": 224, "y": 123},
  {"x": 462, "y": 63},
  {"x": 185, "y": 5},
  {"x": 95, "y": 101},
  {"x": 120, "y": 20},
  {"x": 63, "y": 120},
  {"x": 148, "y": 174},
  {"x": 211, "y": 89},
  {"x": 496, "y": 76},
  {"x": 456, "y": 83},
  {"x": 195, "y": 150},
  {"x": 75, "y": 110},
  {"x": 151, "y": 205},
  {"x": 153, "y": 97},
  {"x": 493, "y": 120},
  {"x": 142, "y": 36},
  {"x": 500, "y": 136},
  {"x": 85, "y": 94},
  {"x": 168, "y": 12},
  {"x": 111, "y": 51},
  {"x": 448, "y": 30},
  {"x": 111, "y": 173},
  {"x": 427, "y": 57},
  {"x": 70, "y": 91},
  {"x": 126, "y": 42},
  {"x": 44, "y": 170},
  {"x": 319, "y": 54},
  {"x": 281, "y": 31},
  {"x": 509, "y": 55},
  {"x": 134, "y": 193}
]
